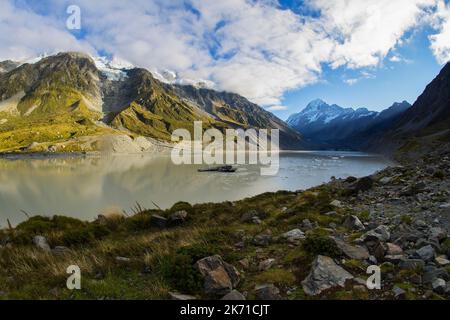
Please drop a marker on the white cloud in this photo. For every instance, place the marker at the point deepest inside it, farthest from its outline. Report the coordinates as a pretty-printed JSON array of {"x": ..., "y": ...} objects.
[
  {"x": 253, "y": 48},
  {"x": 366, "y": 31},
  {"x": 24, "y": 34},
  {"x": 395, "y": 58},
  {"x": 363, "y": 75},
  {"x": 440, "y": 42},
  {"x": 276, "y": 108},
  {"x": 351, "y": 81}
]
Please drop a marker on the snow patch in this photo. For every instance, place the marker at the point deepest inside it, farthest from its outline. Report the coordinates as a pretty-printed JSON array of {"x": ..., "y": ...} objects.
[
  {"x": 114, "y": 69},
  {"x": 171, "y": 77}
]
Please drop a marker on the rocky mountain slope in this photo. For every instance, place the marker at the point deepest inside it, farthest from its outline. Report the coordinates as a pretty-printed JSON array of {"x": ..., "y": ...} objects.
[
  {"x": 68, "y": 97},
  {"x": 333, "y": 127},
  {"x": 8, "y": 65},
  {"x": 423, "y": 127}
]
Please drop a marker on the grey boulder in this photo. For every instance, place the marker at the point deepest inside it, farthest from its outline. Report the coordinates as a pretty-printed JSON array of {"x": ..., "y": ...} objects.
[{"x": 325, "y": 274}]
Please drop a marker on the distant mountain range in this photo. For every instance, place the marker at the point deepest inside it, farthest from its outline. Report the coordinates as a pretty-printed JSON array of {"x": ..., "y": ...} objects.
[
  {"x": 333, "y": 127},
  {"x": 69, "y": 101},
  {"x": 402, "y": 129}
]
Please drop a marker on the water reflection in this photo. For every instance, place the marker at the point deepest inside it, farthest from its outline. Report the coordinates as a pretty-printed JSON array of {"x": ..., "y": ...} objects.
[{"x": 85, "y": 187}]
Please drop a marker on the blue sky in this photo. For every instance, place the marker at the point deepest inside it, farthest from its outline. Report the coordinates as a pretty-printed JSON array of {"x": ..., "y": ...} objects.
[
  {"x": 390, "y": 82},
  {"x": 279, "y": 54}
]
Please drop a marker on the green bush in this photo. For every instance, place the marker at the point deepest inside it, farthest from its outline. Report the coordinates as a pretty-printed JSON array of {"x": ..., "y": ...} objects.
[
  {"x": 36, "y": 225},
  {"x": 319, "y": 244},
  {"x": 439, "y": 174},
  {"x": 179, "y": 268},
  {"x": 84, "y": 235},
  {"x": 64, "y": 223},
  {"x": 138, "y": 222},
  {"x": 181, "y": 205},
  {"x": 77, "y": 237}
]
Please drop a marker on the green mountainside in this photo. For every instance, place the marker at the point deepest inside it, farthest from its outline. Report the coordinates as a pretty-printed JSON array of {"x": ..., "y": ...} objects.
[{"x": 64, "y": 103}]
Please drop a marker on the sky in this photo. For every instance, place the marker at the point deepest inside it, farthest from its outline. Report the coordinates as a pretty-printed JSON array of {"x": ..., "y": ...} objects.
[{"x": 280, "y": 54}]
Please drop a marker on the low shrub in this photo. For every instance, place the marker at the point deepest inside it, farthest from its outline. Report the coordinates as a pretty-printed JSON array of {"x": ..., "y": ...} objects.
[
  {"x": 320, "y": 245},
  {"x": 179, "y": 268}
]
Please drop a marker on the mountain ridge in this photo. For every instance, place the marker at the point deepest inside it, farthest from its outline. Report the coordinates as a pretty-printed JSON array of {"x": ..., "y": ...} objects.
[
  {"x": 332, "y": 126},
  {"x": 68, "y": 89}
]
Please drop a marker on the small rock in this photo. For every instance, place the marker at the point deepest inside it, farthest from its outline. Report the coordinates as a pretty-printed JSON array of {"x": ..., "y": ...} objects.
[
  {"x": 262, "y": 240},
  {"x": 399, "y": 293},
  {"x": 442, "y": 261},
  {"x": 267, "y": 292},
  {"x": 178, "y": 218},
  {"x": 426, "y": 253},
  {"x": 360, "y": 288},
  {"x": 420, "y": 224},
  {"x": 393, "y": 249},
  {"x": 363, "y": 184},
  {"x": 32, "y": 146},
  {"x": 353, "y": 223},
  {"x": 385, "y": 180},
  {"x": 336, "y": 203},
  {"x": 372, "y": 260},
  {"x": 60, "y": 250},
  {"x": 256, "y": 220},
  {"x": 438, "y": 233},
  {"x": 52, "y": 149},
  {"x": 428, "y": 294},
  {"x": 447, "y": 288},
  {"x": 411, "y": 264},
  {"x": 380, "y": 233},
  {"x": 307, "y": 225},
  {"x": 249, "y": 216},
  {"x": 445, "y": 206},
  {"x": 219, "y": 277},
  {"x": 234, "y": 295},
  {"x": 331, "y": 213},
  {"x": 240, "y": 245},
  {"x": 123, "y": 259},
  {"x": 439, "y": 286},
  {"x": 395, "y": 259},
  {"x": 353, "y": 252},
  {"x": 266, "y": 264},
  {"x": 245, "y": 263},
  {"x": 294, "y": 235},
  {"x": 41, "y": 243},
  {"x": 431, "y": 273},
  {"x": 180, "y": 296},
  {"x": 158, "y": 221},
  {"x": 325, "y": 274}
]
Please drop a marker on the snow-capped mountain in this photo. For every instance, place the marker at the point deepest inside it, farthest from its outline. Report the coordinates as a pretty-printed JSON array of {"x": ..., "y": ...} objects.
[
  {"x": 317, "y": 111},
  {"x": 334, "y": 126},
  {"x": 171, "y": 77},
  {"x": 114, "y": 69}
]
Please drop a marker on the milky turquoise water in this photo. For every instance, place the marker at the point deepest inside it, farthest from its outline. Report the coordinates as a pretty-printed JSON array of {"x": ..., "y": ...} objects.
[{"x": 86, "y": 187}]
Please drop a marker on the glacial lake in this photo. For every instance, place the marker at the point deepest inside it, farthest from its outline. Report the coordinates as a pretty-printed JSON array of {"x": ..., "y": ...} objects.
[{"x": 84, "y": 187}]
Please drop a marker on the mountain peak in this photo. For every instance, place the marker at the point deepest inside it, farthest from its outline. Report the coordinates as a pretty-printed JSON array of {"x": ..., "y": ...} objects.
[{"x": 315, "y": 104}]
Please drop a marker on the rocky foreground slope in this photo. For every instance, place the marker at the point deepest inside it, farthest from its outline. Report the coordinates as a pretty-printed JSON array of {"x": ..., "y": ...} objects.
[{"x": 313, "y": 244}]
